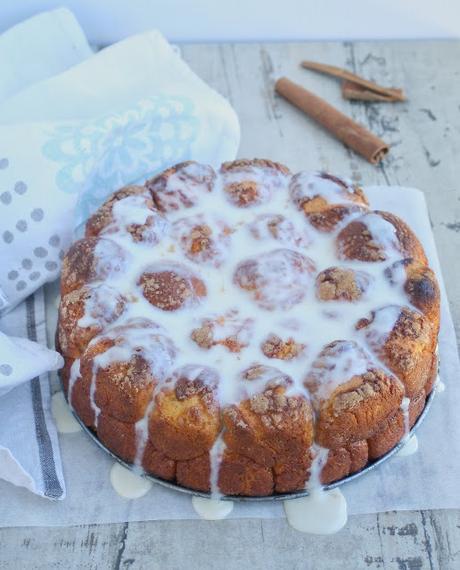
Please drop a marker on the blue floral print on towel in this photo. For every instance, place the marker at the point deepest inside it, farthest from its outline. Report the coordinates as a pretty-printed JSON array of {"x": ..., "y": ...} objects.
[{"x": 121, "y": 148}]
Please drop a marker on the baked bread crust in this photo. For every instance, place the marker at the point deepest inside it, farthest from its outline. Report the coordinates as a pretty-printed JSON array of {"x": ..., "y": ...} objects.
[{"x": 329, "y": 346}]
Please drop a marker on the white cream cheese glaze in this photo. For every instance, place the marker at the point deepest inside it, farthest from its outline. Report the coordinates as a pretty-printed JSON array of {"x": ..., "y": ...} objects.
[
  {"x": 410, "y": 446},
  {"x": 405, "y": 410},
  {"x": 65, "y": 421},
  {"x": 128, "y": 484},
  {"x": 320, "y": 512},
  {"x": 212, "y": 509},
  {"x": 439, "y": 385}
]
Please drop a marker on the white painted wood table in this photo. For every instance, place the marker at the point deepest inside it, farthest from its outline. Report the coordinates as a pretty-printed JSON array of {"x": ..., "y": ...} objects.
[{"x": 425, "y": 138}]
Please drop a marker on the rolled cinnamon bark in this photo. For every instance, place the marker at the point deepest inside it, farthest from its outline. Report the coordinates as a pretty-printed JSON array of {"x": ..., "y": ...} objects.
[
  {"x": 342, "y": 127},
  {"x": 389, "y": 92},
  {"x": 356, "y": 92}
]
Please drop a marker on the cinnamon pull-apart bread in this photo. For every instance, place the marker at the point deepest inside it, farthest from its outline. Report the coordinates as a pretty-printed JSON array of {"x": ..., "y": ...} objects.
[{"x": 247, "y": 331}]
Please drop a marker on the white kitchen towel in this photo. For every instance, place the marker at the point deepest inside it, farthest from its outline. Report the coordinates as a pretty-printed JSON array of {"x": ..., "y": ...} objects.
[
  {"x": 67, "y": 142},
  {"x": 22, "y": 359},
  {"x": 38, "y": 48},
  {"x": 34, "y": 50}
]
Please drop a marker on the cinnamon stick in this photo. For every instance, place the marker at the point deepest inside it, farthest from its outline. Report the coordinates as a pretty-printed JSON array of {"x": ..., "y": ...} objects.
[
  {"x": 355, "y": 92},
  {"x": 397, "y": 94},
  {"x": 342, "y": 127}
]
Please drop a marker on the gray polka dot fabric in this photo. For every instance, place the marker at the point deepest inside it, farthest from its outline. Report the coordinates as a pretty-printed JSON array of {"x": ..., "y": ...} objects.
[
  {"x": 8, "y": 237},
  {"x": 51, "y": 265},
  {"x": 40, "y": 252},
  {"x": 6, "y": 369},
  {"x": 37, "y": 215},
  {"x": 34, "y": 231},
  {"x": 21, "y": 226},
  {"x": 5, "y": 198},
  {"x": 31, "y": 249},
  {"x": 20, "y": 187}
]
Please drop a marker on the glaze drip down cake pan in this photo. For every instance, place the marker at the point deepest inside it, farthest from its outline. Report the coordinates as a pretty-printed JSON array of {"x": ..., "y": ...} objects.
[{"x": 248, "y": 332}]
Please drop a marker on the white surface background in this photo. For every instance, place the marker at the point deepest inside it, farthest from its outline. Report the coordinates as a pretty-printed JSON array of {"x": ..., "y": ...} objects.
[{"x": 106, "y": 21}]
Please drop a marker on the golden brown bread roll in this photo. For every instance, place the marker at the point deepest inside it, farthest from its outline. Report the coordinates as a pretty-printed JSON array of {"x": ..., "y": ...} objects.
[
  {"x": 394, "y": 428},
  {"x": 242, "y": 185},
  {"x": 89, "y": 260},
  {"x": 118, "y": 436},
  {"x": 185, "y": 419},
  {"x": 80, "y": 400},
  {"x": 341, "y": 284},
  {"x": 203, "y": 239},
  {"x": 403, "y": 339},
  {"x": 343, "y": 461},
  {"x": 83, "y": 313},
  {"x": 270, "y": 427},
  {"x": 194, "y": 473},
  {"x": 420, "y": 284},
  {"x": 277, "y": 279},
  {"x": 171, "y": 286},
  {"x": 376, "y": 236},
  {"x": 351, "y": 395},
  {"x": 325, "y": 204},
  {"x": 130, "y": 210},
  {"x": 181, "y": 186},
  {"x": 238, "y": 475},
  {"x": 121, "y": 369},
  {"x": 157, "y": 463}
]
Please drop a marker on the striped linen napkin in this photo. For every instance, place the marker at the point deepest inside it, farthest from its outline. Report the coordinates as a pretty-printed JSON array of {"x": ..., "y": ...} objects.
[{"x": 29, "y": 447}]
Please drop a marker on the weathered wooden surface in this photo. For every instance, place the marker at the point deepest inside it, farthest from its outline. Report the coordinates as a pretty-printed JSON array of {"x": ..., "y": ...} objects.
[
  {"x": 425, "y": 138},
  {"x": 403, "y": 541}
]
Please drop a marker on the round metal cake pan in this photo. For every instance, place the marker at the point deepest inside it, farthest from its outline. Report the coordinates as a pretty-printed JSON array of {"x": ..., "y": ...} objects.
[{"x": 278, "y": 497}]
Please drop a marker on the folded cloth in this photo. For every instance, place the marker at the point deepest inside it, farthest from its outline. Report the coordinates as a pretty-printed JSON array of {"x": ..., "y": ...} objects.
[
  {"x": 38, "y": 48},
  {"x": 22, "y": 359},
  {"x": 29, "y": 447},
  {"x": 32, "y": 51},
  {"x": 118, "y": 117}
]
